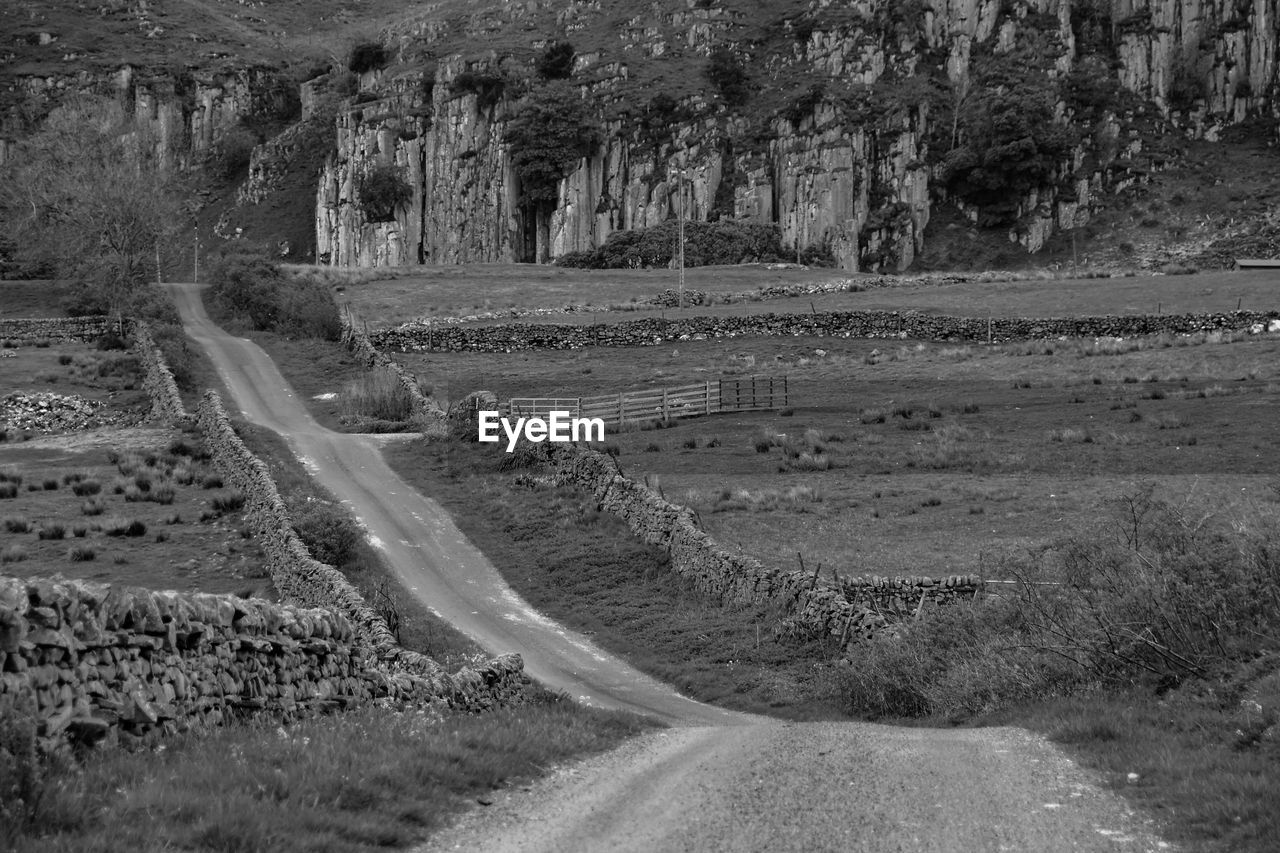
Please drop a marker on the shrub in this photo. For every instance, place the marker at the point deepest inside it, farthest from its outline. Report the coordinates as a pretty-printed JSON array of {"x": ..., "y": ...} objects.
[
  {"x": 228, "y": 501},
  {"x": 383, "y": 190},
  {"x": 366, "y": 57},
  {"x": 17, "y": 525},
  {"x": 378, "y": 395},
  {"x": 556, "y": 62},
  {"x": 231, "y": 154},
  {"x": 726, "y": 241},
  {"x": 487, "y": 86},
  {"x": 92, "y": 507},
  {"x": 86, "y": 488},
  {"x": 81, "y": 553},
  {"x": 726, "y": 72},
  {"x": 8, "y": 490},
  {"x": 13, "y": 554},
  {"x": 211, "y": 481},
  {"x": 163, "y": 494},
  {"x": 548, "y": 135},
  {"x": 328, "y": 532},
  {"x": 53, "y": 531},
  {"x": 80, "y": 531}
]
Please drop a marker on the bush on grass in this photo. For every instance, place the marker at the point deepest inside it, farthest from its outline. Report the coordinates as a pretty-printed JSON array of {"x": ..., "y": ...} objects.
[{"x": 327, "y": 531}]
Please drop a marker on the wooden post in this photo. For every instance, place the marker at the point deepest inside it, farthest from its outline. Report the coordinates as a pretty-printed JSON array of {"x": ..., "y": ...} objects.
[
  {"x": 666, "y": 412},
  {"x": 620, "y": 411},
  {"x": 817, "y": 570},
  {"x": 786, "y": 395},
  {"x": 706, "y": 399}
]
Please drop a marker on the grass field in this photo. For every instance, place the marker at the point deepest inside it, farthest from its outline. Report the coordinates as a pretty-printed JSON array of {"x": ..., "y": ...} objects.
[
  {"x": 28, "y": 299},
  {"x": 447, "y": 292},
  {"x": 111, "y": 377},
  {"x": 157, "y": 516}
]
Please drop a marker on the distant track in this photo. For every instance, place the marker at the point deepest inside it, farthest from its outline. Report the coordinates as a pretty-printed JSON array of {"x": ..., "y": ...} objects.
[{"x": 722, "y": 781}]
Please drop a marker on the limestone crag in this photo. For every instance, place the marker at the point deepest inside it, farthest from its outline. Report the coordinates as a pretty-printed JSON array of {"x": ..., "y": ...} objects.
[{"x": 182, "y": 117}]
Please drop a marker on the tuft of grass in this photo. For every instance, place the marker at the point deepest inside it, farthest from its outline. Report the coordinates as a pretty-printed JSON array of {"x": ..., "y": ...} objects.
[
  {"x": 86, "y": 488},
  {"x": 17, "y": 525},
  {"x": 13, "y": 554},
  {"x": 211, "y": 481},
  {"x": 81, "y": 553},
  {"x": 8, "y": 491},
  {"x": 52, "y": 531},
  {"x": 227, "y": 501},
  {"x": 93, "y": 507}
]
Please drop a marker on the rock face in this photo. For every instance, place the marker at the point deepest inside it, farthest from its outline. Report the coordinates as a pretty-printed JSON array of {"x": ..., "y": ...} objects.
[
  {"x": 862, "y": 187},
  {"x": 183, "y": 117}
]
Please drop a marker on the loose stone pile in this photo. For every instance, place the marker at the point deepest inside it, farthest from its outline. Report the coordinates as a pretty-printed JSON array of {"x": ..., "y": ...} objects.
[{"x": 47, "y": 412}]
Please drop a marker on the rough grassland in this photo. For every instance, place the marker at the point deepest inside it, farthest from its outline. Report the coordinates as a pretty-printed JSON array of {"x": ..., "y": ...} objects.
[
  {"x": 366, "y": 780},
  {"x": 447, "y": 292},
  {"x": 112, "y": 377}
]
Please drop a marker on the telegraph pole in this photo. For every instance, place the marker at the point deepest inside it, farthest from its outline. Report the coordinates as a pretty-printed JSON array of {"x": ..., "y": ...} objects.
[{"x": 680, "y": 193}]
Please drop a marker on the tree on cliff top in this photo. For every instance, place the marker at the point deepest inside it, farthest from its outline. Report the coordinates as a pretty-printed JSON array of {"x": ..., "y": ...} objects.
[
  {"x": 549, "y": 134},
  {"x": 87, "y": 199}
]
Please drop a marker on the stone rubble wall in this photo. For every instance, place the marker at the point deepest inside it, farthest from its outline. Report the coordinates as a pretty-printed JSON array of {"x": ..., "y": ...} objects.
[
  {"x": 59, "y": 329},
  {"x": 852, "y": 609},
  {"x": 359, "y": 345},
  {"x": 305, "y": 581},
  {"x": 92, "y": 660},
  {"x": 157, "y": 378},
  {"x": 913, "y": 325}
]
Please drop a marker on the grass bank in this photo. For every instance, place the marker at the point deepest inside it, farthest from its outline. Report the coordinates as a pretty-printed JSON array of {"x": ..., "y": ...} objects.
[
  {"x": 582, "y": 567},
  {"x": 371, "y": 779}
]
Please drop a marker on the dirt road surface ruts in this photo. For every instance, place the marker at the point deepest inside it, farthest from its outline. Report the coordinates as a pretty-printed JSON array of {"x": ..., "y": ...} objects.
[{"x": 718, "y": 780}]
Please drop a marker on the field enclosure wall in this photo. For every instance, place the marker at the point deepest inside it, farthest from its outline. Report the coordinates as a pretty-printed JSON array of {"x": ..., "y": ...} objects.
[
  {"x": 508, "y": 337},
  {"x": 358, "y": 344},
  {"x": 302, "y": 579},
  {"x": 91, "y": 660},
  {"x": 58, "y": 329},
  {"x": 852, "y": 609}
]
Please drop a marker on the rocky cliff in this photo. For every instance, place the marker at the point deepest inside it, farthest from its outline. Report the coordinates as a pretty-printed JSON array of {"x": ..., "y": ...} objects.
[{"x": 850, "y": 138}]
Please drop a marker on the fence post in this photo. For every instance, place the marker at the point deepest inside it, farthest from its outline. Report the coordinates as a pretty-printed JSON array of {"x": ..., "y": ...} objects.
[
  {"x": 786, "y": 397},
  {"x": 706, "y": 400},
  {"x": 620, "y": 412},
  {"x": 666, "y": 413}
]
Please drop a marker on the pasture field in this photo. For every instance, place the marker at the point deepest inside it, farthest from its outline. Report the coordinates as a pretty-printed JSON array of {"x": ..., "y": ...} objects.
[
  {"x": 465, "y": 291},
  {"x": 914, "y": 458},
  {"x": 30, "y": 299},
  {"x": 112, "y": 377},
  {"x": 139, "y": 507}
]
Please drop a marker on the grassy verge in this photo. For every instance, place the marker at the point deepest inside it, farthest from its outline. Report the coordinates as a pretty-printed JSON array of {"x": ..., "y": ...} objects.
[
  {"x": 583, "y": 568},
  {"x": 371, "y": 779},
  {"x": 1192, "y": 760}
]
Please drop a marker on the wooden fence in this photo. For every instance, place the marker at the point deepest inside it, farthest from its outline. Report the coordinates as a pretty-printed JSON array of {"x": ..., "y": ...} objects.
[{"x": 738, "y": 394}]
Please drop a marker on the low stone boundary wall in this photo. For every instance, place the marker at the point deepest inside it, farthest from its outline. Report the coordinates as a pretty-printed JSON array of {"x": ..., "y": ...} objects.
[
  {"x": 59, "y": 329},
  {"x": 157, "y": 378},
  {"x": 650, "y": 331},
  {"x": 359, "y": 345},
  {"x": 302, "y": 579},
  {"x": 93, "y": 661},
  {"x": 853, "y": 609}
]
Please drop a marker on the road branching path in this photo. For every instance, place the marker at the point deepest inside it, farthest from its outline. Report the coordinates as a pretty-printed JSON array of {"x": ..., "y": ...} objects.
[{"x": 717, "y": 780}]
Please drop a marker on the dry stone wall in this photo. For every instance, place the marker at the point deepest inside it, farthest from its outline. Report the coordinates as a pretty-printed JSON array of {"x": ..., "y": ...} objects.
[
  {"x": 157, "y": 378},
  {"x": 57, "y": 329},
  {"x": 302, "y": 579},
  {"x": 853, "y": 609},
  {"x": 509, "y": 337},
  {"x": 94, "y": 661},
  {"x": 358, "y": 343}
]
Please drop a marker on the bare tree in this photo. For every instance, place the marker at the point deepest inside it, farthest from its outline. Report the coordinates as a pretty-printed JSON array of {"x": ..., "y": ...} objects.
[{"x": 88, "y": 196}]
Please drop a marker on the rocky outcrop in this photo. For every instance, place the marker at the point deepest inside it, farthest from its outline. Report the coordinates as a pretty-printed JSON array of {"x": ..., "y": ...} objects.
[
  {"x": 46, "y": 412},
  {"x": 854, "y": 183},
  {"x": 509, "y": 337},
  {"x": 183, "y": 117}
]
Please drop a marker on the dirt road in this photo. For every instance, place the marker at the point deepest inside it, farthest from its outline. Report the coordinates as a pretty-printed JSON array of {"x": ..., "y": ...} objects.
[
  {"x": 720, "y": 780},
  {"x": 432, "y": 558}
]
